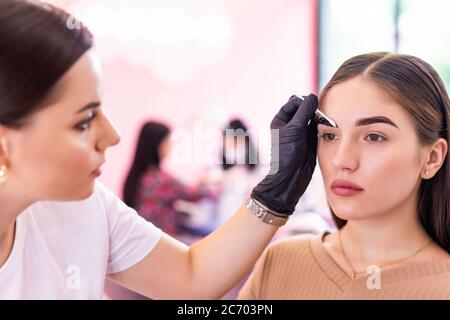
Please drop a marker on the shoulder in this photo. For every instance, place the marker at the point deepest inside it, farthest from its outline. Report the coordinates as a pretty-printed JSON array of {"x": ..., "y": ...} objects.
[
  {"x": 292, "y": 250},
  {"x": 430, "y": 281},
  {"x": 435, "y": 273},
  {"x": 281, "y": 268},
  {"x": 291, "y": 244}
]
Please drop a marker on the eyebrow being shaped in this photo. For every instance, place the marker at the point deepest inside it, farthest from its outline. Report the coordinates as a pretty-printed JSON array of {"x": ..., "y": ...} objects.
[
  {"x": 91, "y": 105},
  {"x": 372, "y": 120}
]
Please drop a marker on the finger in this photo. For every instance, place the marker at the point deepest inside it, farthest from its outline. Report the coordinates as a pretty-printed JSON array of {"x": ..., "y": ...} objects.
[
  {"x": 306, "y": 112},
  {"x": 312, "y": 136},
  {"x": 291, "y": 107},
  {"x": 286, "y": 112}
]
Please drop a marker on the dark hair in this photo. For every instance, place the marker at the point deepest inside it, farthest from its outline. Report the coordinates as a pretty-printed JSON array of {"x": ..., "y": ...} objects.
[
  {"x": 146, "y": 156},
  {"x": 417, "y": 87},
  {"x": 36, "y": 49},
  {"x": 250, "y": 149}
]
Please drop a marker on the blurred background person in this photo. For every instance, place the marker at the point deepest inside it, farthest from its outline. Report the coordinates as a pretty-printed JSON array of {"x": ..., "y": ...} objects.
[
  {"x": 231, "y": 178},
  {"x": 150, "y": 190},
  {"x": 239, "y": 163}
]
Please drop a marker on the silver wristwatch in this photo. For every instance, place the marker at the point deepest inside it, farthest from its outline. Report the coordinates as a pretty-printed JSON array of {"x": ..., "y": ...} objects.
[{"x": 265, "y": 214}]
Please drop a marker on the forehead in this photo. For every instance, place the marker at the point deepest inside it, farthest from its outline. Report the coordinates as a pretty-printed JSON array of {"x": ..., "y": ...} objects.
[
  {"x": 79, "y": 86},
  {"x": 82, "y": 81},
  {"x": 360, "y": 98}
]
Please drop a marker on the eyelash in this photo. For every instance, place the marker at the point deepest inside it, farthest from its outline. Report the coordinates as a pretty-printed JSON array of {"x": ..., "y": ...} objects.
[
  {"x": 372, "y": 134},
  {"x": 81, "y": 126}
]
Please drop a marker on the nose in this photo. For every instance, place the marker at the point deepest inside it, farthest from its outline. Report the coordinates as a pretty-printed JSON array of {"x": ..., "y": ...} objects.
[
  {"x": 346, "y": 157},
  {"x": 109, "y": 135}
]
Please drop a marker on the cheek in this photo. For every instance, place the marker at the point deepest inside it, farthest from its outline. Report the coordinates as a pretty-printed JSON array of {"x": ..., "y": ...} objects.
[
  {"x": 392, "y": 175},
  {"x": 325, "y": 158},
  {"x": 56, "y": 166},
  {"x": 387, "y": 174},
  {"x": 394, "y": 164}
]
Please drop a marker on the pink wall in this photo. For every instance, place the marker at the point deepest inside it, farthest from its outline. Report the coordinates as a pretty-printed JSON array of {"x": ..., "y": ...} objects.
[{"x": 270, "y": 55}]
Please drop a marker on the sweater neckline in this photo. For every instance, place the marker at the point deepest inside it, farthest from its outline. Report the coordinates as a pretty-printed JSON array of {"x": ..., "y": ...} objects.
[{"x": 344, "y": 281}]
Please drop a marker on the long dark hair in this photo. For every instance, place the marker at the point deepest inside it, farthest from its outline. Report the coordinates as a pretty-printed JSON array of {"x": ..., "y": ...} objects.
[
  {"x": 417, "y": 87},
  {"x": 146, "y": 156},
  {"x": 36, "y": 49},
  {"x": 251, "y": 156}
]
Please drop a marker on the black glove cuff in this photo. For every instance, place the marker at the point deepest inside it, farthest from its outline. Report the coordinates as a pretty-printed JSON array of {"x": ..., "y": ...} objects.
[{"x": 273, "y": 205}]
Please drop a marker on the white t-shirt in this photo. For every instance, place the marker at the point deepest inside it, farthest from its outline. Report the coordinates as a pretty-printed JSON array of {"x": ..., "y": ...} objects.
[{"x": 63, "y": 250}]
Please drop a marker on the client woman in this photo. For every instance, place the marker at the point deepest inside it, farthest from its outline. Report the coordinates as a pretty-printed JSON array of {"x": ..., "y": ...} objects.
[{"x": 386, "y": 173}]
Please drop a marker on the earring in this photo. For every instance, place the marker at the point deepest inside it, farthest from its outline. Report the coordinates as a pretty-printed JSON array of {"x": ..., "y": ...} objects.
[
  {"x": 426, "y": 172},
  {"x": 2, "y": 175}
]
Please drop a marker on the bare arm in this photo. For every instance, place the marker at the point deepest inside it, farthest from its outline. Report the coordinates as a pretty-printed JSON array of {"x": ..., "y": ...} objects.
[{"x": 206, "y": 270}]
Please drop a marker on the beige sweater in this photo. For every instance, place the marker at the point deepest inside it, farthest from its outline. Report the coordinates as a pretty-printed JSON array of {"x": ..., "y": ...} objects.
[{"x": 301, "y": 268}]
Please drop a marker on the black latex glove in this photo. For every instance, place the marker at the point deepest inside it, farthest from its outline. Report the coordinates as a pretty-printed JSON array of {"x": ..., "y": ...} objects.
[{"x": 291, "y": 171}]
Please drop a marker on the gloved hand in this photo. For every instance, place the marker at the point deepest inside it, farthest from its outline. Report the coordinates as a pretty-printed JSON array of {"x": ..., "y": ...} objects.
[{"x": 293, "y": 156}]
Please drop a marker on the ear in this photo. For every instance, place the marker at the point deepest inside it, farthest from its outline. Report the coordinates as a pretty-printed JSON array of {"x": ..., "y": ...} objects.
[
  {"x": 434, "y": 158},
  {"x": 2, "y": 142},
  {"x": 4, "y": 149}
]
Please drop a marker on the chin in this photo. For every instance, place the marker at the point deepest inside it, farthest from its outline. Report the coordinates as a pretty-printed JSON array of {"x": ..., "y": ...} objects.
[
  {"x": 78, "y": 194},
  {"x": 86, "y": 192},
  {"x": 349, "y": 212}
]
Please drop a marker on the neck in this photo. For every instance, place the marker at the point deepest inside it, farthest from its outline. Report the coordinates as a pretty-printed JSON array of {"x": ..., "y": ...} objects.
[
  {"x": 384, "y": 238},
  {"x": 12, "y": 206},
  {"x": 6, "y": 243}
]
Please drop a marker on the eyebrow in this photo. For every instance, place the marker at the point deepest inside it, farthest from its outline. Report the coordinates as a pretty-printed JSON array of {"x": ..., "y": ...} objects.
[
  {"x": 91, "y": 105},
  {"x": 372, "y": 120}
]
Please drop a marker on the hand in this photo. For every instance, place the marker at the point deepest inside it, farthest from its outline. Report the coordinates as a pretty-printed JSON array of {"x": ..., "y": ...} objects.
[{"x": 293, "y": 155}]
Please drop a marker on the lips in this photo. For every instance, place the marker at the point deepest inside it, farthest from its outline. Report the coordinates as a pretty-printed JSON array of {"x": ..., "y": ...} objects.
[
  {"x": 97, "y": 172},
  {"x": 345, "y": 188}
]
